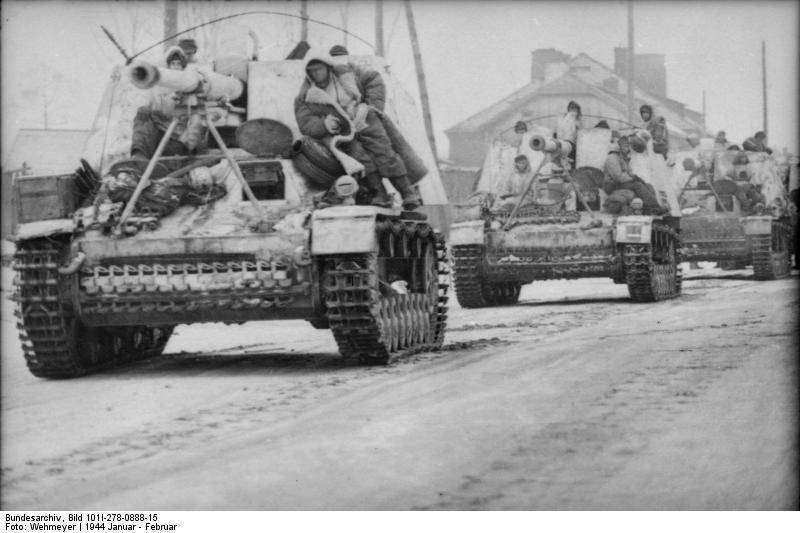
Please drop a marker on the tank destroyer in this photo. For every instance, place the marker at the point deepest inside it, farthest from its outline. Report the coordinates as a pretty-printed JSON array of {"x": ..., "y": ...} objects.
[
  {"x": 735, "y": 210},
  {"x": 559, "y": 229},
  {"x": 100, "y": 281}
]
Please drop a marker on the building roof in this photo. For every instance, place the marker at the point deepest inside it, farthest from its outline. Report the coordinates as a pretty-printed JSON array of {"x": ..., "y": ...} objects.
[
  {"x": 586, "y": 76},
  {"x": 47, "y": 151}
]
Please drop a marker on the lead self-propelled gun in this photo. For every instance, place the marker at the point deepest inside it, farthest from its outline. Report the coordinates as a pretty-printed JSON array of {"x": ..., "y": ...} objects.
[
  {"x": 110, "y": 259},
  {"x": 560, "y": 227}
]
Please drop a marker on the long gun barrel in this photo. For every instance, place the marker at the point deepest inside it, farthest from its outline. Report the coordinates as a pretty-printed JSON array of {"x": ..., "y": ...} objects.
[
  {"x": 209, "y": 84},
  {"x": 552, "y": 146}
]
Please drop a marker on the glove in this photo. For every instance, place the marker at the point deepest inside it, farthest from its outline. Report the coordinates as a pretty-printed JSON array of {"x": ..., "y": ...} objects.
[{"x": 332, "y": 124}]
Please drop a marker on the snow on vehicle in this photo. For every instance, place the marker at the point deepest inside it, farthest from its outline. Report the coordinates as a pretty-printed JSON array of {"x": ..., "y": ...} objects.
[
  {"x": 559, "y": 229},
  {"x": 735, "y": 210},
  {"x": 101, "y": 282}
]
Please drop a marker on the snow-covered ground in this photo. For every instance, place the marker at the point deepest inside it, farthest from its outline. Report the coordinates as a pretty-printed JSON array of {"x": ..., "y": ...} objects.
[{"x": 575, "y": 398}]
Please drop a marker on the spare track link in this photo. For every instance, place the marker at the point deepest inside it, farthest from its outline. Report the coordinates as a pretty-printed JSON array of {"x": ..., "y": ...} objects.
[
  {"x": 771, "y": 258},
  {"x": 375, "y": 328},
  {"x": 471, "y": 289},
  {"x": 649, "y": 277},
  {"x": 54, "y": 342}
]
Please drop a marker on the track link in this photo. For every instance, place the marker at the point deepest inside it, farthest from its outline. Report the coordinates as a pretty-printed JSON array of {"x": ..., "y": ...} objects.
[
  {"x": 771, "y": 258},
  {"x": 652, "y": 271},
  {"x": 54, "y": 341},
  {"x": 370, "y": 322},
  {"x": 472, "y": 290}
]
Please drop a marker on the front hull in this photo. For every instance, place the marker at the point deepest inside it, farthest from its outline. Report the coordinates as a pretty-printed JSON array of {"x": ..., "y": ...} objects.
[
  {"x": 531, "y": 253},
  {"x": 150, "y": 281},
  {"x": 714, "y": 238}
]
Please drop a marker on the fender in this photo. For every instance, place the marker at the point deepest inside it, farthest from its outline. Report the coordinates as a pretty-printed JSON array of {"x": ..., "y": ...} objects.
[
  {"x": 471, "y": 232},
  {"x": 43, "y": 228},
  {"x": 346, "y": 229},
  {"x": 633, "y": 229},
  {"x": 757, "y": 225}
]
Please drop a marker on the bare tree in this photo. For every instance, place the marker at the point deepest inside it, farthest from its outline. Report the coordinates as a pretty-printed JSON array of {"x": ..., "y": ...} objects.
[{"x": 211, "y": 38}]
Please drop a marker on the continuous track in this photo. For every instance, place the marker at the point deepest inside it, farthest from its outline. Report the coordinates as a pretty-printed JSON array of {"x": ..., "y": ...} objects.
[
  {"x": 371, "y": 321},
  {"x": 652, "y": 271},
  {"x": 55, "y": 342},
  {"x": 771, "y": 258}
]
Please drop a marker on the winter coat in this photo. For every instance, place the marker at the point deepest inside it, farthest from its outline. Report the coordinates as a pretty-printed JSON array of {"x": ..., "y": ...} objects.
[
  {"x": 617, "y": 171},
  {"x": 313, "y": 104},
  {"x": 568, "y": 127},
  {"x": 751, "y": 144},
  {"x": 657, "y": 127}
]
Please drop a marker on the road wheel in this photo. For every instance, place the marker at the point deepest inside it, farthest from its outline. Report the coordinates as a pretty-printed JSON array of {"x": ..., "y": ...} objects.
[
  {"x": 318, "y": 155},
  {"x": 315, "y": 175}
]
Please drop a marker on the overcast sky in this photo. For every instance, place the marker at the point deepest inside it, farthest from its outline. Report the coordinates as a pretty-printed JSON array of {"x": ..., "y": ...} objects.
[{"x": 474, "y": 53}]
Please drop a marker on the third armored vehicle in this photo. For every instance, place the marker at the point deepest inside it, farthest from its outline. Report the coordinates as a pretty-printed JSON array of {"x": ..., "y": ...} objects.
[
  {"x": 100, "y": 282},
  {"x": 735, "y": 210},
  {"x": 559, "y": 229}
]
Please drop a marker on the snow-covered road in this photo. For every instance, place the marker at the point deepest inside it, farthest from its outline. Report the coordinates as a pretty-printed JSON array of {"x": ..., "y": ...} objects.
[{"x": 574, "y": 398}]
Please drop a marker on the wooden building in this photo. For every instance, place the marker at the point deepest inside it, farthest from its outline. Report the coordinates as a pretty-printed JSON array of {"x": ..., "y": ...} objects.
[{"x": 557, "y": 78}]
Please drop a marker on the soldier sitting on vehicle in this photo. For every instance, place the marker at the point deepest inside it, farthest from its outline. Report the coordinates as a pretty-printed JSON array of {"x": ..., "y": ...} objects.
[
  {"x": 189, "y": 47},
  {"x": 656, "y": 125},
  {"x": 619, "y": 177},
  {"x": 513, "y": 185},
  {"x": 568, "y": 126},
  {"x": 341, "y": 99},
  {"x": 152, "y": 120},
  {"x": 757, "y": 143}
]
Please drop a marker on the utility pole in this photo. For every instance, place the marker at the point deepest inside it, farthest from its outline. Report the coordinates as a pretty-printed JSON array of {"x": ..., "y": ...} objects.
[
  {"x": 764, "y": 81},
  {"x": 704, "y": 111},
  {"x": 345, "y": 13},
  {"x": 630, "y": 61},
  {"x": 423, "y": 91},
  {"x": 304, "y": 20},
  {"x": 170, "y": 21},
  {"x": 379, "y": 28}
]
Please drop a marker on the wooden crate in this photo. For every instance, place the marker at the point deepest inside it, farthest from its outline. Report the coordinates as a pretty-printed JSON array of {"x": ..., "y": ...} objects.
[{"x": 44, "y": 197}]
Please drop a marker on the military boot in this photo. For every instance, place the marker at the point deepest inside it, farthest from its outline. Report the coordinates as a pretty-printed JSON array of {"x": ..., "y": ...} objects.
[
  {"x": 410, "y": 194},
  {"x": 374, "y": 184}
]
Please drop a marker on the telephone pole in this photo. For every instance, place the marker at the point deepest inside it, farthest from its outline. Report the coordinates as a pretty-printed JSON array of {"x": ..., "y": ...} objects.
[
  {"x": 304, "y": 20},
  {"x": 764, "y": 82},
  {"x": 379, "y": 28},
  {"x": 704, "y": 112},
  {"x": 423, "y": 91},
  {"x": 630, "y": 61},
  {"x": 170, "y": 21}
]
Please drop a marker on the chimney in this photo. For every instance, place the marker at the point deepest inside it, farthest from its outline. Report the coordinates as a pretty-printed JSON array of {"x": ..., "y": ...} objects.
[
  {"x": 649, "y": 70},
  {"x": 544, "y": 63},
  {"x": 611, "y": 84}
]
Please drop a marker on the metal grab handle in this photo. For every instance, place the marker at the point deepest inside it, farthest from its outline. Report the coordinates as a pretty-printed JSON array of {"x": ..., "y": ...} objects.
[
  {"x": 145, "y": 179},
  {"x": 235, "y": 166},
  {"x": 525, "y": 193},
  {"x": 579, "y": 195}
]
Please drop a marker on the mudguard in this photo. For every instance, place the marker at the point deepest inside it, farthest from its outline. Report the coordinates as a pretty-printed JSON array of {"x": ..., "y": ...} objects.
[
  {"x": 346, "y": 229},
  {"x": 471, "y": 232},
  {"x": 634, "y": 229},
  {"x": 43, "y": 228},
  {"x": 757, "y": 225}
]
